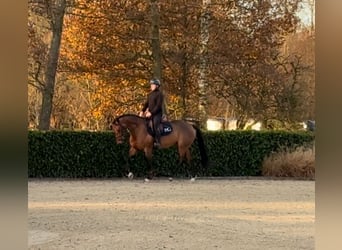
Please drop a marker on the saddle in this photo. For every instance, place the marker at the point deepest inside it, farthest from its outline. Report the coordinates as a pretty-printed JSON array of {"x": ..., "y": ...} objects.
[{"x": 165, "y": 128}]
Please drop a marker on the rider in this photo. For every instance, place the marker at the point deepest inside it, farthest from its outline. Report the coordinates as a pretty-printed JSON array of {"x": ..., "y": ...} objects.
[{"x": 154, "y": 108}]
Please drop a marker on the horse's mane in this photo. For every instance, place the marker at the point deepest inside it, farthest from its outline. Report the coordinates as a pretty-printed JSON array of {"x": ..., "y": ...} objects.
[{"x": 125, "y": 115}]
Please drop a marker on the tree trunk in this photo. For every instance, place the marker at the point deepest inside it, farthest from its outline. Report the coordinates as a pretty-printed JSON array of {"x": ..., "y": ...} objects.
[
  {"x": 184, "y": 78},
  {"x": 203, "y": 67},
  {"x": 156, "y": 51},
  {"x": 156, "y": 54},
  {"x": 51, "y": 68}
]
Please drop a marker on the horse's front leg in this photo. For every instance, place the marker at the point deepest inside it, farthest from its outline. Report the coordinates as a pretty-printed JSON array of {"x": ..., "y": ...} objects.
[
  {"x": 148, "y": 159},
  {"x": 131, "y": 153}
]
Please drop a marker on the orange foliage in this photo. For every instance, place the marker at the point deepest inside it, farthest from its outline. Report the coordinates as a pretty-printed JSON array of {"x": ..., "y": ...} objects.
[{"x": 98, "y": 45}]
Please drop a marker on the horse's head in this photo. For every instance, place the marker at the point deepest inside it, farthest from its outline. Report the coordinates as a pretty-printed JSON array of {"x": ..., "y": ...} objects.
[
  {"x": 118, "y": 129},
  {"x": 126, "y": 123}
]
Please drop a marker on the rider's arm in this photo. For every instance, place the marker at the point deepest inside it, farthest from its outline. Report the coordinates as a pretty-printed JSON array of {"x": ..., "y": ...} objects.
[{"x": 145, "y": 106}]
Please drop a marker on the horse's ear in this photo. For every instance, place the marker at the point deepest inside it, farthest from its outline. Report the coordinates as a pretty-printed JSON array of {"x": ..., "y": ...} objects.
[{"x": 116, "y": 121}]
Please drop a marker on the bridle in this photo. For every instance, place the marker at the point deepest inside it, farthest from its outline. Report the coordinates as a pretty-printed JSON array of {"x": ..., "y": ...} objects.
[{"x": 118, "y": 132}]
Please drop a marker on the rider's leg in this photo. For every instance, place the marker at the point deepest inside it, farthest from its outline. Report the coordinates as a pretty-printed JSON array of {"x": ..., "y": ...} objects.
[{"x": 156, "y": 125}]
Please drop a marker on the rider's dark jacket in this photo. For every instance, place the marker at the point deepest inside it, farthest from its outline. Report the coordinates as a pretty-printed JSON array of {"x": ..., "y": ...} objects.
[{"x": 154, "y": 102}]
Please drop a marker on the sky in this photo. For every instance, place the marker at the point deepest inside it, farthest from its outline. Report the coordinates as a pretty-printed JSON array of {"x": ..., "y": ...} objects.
[{"x": 305, "y": 14}]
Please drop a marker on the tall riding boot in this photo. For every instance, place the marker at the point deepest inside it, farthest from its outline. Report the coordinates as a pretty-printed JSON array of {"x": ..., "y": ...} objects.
[{"x": 157, "y": 138}]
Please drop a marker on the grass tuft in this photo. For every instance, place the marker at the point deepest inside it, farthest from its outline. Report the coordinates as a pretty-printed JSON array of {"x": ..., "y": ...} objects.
[{"x": 299, "y": 162}]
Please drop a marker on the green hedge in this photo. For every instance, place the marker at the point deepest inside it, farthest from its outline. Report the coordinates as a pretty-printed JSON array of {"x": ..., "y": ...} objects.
[{"x": 70, "y": 154}]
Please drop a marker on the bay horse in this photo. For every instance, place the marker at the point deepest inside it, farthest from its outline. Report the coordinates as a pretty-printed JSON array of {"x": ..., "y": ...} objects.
[{"x": 176, "y": 132}]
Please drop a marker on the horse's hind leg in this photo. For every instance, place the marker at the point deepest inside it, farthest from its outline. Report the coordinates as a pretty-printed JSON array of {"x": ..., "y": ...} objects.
[
  {"x": 190, "y": 165},
  {"x": 188, "y": 156},
  {"x": 184, "y": 160}
]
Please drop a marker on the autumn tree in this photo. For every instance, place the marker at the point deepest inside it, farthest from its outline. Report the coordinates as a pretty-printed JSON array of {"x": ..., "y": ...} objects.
[
  {"x": 109, "y": 43},
  {"x": 125, "y": 56},
  {"x": 37, "y": 51},
  {"x": 300, "y": 49},
  {"x": 244, "y": 55},
  {"x": 109, "y": 51},
  {"x": 53, "y": 13},
  {"x": 180, "y": 47}
]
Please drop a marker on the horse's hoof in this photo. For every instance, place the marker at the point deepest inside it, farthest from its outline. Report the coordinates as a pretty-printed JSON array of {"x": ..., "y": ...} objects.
[
  {"x": 192, "y": 179},
  {"x": 170, "y": 179},
  {"x": 146, "y": 180},
  {"x": 130, "y": 175}
]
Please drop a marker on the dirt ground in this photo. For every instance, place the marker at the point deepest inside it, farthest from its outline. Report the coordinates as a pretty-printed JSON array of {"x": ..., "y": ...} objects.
[{"x": 178, "y": 214}]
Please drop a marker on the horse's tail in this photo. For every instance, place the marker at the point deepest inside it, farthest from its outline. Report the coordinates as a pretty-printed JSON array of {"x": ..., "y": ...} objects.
[{"x": 202, "y": 148}]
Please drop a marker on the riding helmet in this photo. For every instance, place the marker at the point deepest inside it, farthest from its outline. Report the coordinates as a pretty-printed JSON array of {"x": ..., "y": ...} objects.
[{"x": 155, "y": 81}]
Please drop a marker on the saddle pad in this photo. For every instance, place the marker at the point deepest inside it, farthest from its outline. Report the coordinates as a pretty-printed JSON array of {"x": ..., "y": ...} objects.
[{"x": 166, "y": 128}]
